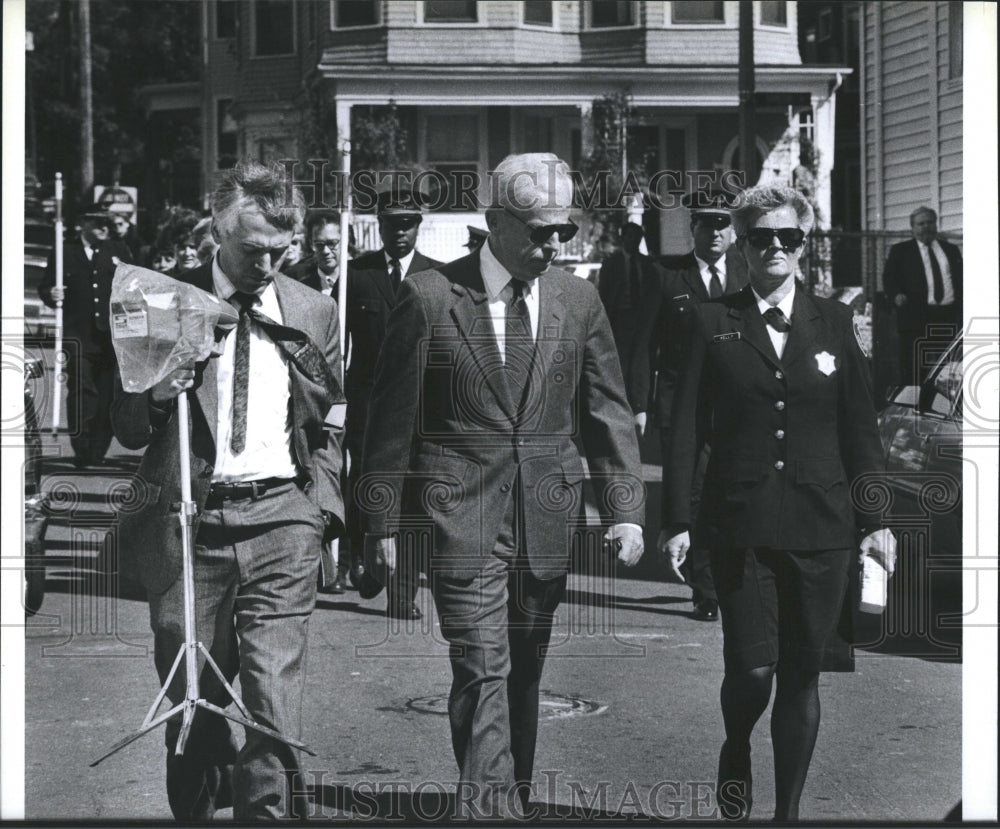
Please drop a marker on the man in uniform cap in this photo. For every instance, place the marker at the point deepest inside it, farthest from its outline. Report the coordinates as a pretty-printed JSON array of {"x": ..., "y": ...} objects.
[
  {"x": 88, "y": 268},
  {"x": 709, "y": 271},
  {"x": 477, "y": 236},
  {"x": 373, "y": 281}
]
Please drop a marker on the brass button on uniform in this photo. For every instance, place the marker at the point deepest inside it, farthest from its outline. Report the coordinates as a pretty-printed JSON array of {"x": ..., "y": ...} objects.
[
  {"x": 779, "y": 376},
  {"x": 780, "y": 405},
  {"x": 505, "y": 488},
  {"x": 779, "y": 465},
  {"x": 780, "y": 434}
]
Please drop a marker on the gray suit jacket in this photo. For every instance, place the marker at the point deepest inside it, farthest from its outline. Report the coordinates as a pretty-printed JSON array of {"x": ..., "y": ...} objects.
[
  {"x": 445, "y": 447},
  {"x": 148, "y": 528}
]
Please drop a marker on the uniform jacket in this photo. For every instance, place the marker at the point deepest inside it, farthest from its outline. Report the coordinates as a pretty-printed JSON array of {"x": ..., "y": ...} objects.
[
  {"x": 904, "y": 274},
  {"x": 664, "y": 329},
  {"x": 445, "y": 444},
  {"x": 791, "y": 438},
  {"x": 613, "y": 285},
  {"x": 149, "y": 531},
  {"x": 87, "y": 283},
  {"x": 371, "y": 295}
]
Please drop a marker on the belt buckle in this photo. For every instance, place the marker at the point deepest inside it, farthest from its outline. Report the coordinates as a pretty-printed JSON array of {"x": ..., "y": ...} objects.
[{"x": 255, "y": 490}]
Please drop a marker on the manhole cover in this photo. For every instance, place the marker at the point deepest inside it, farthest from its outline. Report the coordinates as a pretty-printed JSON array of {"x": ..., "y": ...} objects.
[{"x": 550, "y": 706}]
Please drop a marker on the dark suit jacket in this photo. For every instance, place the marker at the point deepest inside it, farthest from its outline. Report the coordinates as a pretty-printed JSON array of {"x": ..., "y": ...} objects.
[
  {"x": 445, "y": 443},
  {"x": 306, "y": 272},
  {"x": 904, "y": 274},
  {"x": 371, "y": 295},
  {"x": 149, "y": 532},
  {"x": 616, "y": 292},
  {"x": 88, "y": 288},
  {"x": 790, "y": 438},
  {"x": 664, "y": 329}
]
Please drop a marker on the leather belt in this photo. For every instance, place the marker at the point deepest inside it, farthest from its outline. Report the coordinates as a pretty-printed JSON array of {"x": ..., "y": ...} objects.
[{"x": 245, "y": 489}]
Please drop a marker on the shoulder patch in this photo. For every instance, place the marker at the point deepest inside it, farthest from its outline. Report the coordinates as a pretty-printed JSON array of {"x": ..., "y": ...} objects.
[{"x": 863, "y": 338}]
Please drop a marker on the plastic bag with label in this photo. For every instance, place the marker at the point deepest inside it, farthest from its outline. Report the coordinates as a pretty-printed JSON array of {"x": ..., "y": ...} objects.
[{"x": 159, "y": 324}]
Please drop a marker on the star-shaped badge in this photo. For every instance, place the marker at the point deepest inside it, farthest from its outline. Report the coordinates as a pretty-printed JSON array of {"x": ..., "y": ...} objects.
[{"x": 827, "y": 362}]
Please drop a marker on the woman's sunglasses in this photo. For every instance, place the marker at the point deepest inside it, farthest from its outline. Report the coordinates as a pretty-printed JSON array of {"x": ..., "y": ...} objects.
[
  {"x": 790, "y": 238},
  {"x": 540, "y": 234}
]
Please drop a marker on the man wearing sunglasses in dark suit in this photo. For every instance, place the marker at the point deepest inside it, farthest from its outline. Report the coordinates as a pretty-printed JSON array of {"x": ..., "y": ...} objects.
[
  {"x": 711, "y": 270},
  {"x": 494, "y": 367},
  {"x": 373, "y": 282}
]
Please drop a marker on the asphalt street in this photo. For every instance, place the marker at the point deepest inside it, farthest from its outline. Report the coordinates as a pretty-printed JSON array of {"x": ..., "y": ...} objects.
[{"x": 630, "y": 720}]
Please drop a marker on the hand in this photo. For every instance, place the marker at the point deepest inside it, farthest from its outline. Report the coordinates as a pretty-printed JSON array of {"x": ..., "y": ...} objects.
[
  {"x": 627, "y": 538},
  {"x": 385, "y": 554},
  {"x": 58, "y": 294},
  {"x": 640, "y": 423},
  {"x": 675, "y": 549},
  {"x": 900, "y": 300},
  {"x": 881, "y": 546},
  {"x": 177, "y": 381}
]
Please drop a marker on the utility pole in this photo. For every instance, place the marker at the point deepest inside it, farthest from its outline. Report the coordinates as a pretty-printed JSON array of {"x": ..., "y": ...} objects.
[
  {"x": 86, "y": 101},
  {"x": 747, "y": 87}
]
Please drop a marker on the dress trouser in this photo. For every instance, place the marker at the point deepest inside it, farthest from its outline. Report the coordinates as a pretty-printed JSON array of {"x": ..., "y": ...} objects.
[
  {"x": 697, "y": 567},
  {"x": 255, "y": 565},
  {"x": 921, "y": 347},
  {"x": 498, "y": 622},
  {"x": 90, "y": 379}
]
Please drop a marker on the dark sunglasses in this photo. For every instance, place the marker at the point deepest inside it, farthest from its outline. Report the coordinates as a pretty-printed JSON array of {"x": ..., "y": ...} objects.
[
  {"x": 791, "y": 238},
  {"x": 540, "y": 234},
  {"x": 713, "y": 221}
]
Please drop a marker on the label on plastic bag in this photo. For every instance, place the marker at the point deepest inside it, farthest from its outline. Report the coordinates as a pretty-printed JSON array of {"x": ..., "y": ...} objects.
[{"x": 129, "y": 322}]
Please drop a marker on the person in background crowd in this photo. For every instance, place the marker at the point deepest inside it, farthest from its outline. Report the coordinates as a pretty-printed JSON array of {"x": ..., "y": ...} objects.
[
  {"x": 184, "y": 245},
  {"x": 477, "y": 236},
  {"x": 373, "y": 281},
  {"x": 205, "y": 240},
  {"x": 122, "y": 230},
  {"x": 88, "y": 269},
  {"x": 296, "y": 251},
  {"x": 711, "y": 270},
  {"x": 923, "y": 280},
  {"x": 163, "y": 261},
  {"x": 320, "y": 270},
  {"x": 778, "y": 382},
  {"x": 621, "y": 284},
  {"x": 265, "y": 479},
  {"x": 484, "y": 467}
]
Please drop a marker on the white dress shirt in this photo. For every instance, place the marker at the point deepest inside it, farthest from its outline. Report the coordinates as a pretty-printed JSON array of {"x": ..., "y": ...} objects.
[
  {"x": 268, "y": 450},
  {"x": 926, "y": 251},
  {"x": 499, "y": 293},
  {"x": 706, "y": 274},
  {"x": 404, "y": 263},
  {"x": 778, "y": 338}
]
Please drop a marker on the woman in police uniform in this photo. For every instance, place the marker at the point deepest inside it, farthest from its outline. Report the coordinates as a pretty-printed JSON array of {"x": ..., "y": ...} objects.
[{"x": 778, "y": 382}]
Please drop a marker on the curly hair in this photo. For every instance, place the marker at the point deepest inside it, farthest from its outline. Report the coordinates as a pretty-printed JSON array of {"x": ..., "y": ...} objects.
[
  {"x": 765, "y": 198},
  {"x": 250, "y": 183}
]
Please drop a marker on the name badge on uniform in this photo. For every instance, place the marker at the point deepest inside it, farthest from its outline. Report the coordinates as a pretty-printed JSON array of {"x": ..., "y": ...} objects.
[
  {"x": 680, "y": 297},
  {"x": 725, "y": 338}
]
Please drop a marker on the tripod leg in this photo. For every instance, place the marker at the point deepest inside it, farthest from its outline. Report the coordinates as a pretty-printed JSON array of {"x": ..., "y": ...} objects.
[
  {"x": 135, "y": 735},
  {"x": 190, "y": 707},
  {"x": 249, "y": 722},
  {"x": 163, "y": 690}
]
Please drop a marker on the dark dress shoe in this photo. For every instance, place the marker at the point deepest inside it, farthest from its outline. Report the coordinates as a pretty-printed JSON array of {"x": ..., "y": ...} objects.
[
  {"x": 357, "y": 573},
  {"x": 403, "y": 611},
  {"x": 734, "y": 786},
  {"x": 337, "y": 586},
  {"x": 706, "y": 610}
]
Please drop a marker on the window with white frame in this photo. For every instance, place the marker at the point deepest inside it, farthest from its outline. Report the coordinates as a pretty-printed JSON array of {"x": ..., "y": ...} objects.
[
  {"x": 451, "y": 147},
  {"x": 608, "y": 14},
  {"x": 273, "y": 28},
  {"x": 450, "y": 11},
  {"x": 537, "y": 12},
  {"x": 774, "y": 13},
  {"x": 696, "y": 12},
  {"x": 352, "y": 14}
]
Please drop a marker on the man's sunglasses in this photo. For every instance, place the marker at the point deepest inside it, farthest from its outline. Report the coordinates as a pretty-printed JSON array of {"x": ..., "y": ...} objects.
[
  {"x": 714, "y": 221},
  {"x": 540, "y": 234},
  {"x": 791, "y": 238}
]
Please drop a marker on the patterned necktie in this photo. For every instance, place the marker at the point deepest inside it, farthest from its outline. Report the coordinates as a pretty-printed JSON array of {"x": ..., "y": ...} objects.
[
  {"x": 518, "y": 343},
  {"x": 241, "y": 371},
  {"x": 936, "y": 274},
  {"x": 714, "y": 284},
  {"x": 777, "y": 319}
]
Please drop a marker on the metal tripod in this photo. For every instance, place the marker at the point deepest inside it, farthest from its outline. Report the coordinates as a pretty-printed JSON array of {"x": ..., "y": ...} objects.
[{"x": 189, "y": 650}]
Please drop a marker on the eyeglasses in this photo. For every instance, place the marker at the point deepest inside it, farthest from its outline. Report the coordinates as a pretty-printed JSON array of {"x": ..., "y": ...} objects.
[
  {"x": 790, "y": 238},
  {"x": 332, "y": 244},
  {"x": 540, "y": 234},
  {"x": 714, "y": 221}
]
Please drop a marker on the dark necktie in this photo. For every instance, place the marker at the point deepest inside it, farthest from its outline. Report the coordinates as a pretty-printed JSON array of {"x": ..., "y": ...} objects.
[
  {"x": 395, "y": 272},
  {"x": 936, "y": 274},
  {"x": 241, "y": 371},
  {"x": 518, "y": 343},
  {"x": 714, "y": 284},
  {"x": 774, "y": 317}
]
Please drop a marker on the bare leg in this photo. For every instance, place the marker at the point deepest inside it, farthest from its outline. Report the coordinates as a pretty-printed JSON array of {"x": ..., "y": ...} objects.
[{"x": 794, "y": 726}]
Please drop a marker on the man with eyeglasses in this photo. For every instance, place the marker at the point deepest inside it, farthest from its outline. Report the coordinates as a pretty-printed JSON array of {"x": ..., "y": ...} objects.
[
  {"x": 711, "y": 270},
  {"x": 493, "y": 366},
  {"x": 320, "y": 269},
  {"x": 777, "y": 381},
  {"x": 373, "y": 283}
]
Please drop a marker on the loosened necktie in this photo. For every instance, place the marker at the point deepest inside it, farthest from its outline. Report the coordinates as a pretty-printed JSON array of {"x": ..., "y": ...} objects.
[{"x": 241, "y": 371}]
